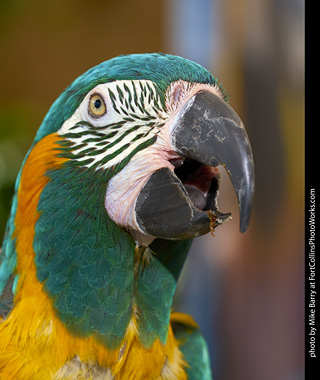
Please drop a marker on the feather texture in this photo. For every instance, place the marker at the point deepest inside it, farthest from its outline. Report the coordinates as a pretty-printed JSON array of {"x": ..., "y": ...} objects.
[{"x": 86, "y": 301}]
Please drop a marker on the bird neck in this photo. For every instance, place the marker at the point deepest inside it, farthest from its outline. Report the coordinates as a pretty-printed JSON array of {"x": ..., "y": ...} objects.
[
  {"x": 97, "y": 277},
  {"x": 157, "y": 272},
  {"x": 91, "y": 270}
]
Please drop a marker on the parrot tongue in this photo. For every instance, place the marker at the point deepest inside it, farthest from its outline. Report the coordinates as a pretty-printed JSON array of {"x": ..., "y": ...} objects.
[
  {"x": 196, "y": 196},
  {"x": 200, "y": 181}
]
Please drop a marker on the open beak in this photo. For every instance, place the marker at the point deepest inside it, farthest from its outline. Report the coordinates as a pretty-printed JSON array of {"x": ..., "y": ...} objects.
[{"x": 183, "y": 204}]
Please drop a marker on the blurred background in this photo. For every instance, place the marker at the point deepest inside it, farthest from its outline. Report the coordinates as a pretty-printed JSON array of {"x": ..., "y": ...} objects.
[{"x": 245, "y": 291}]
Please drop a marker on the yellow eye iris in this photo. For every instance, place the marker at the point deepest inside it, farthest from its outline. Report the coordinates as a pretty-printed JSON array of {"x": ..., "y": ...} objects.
[{"x": 97, "y": 106}]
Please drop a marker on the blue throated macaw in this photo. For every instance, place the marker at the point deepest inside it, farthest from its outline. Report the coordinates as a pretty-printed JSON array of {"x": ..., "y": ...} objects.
[{"x": 122, "y": 174}]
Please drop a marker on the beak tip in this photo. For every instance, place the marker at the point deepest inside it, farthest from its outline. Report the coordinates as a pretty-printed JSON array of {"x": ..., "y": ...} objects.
[
  {"x": 245, "y": 209},
  {"x": 243, "y": 226}
]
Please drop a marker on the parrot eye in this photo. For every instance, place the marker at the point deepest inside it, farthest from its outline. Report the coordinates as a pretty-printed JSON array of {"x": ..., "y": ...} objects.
[{"x": 97, "y": 106}]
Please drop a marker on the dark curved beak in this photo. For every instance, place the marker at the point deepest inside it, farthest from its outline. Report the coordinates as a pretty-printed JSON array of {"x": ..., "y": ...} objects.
[
  {"x": 207, "y": 133},
  {"x": 211, "y": 133}
]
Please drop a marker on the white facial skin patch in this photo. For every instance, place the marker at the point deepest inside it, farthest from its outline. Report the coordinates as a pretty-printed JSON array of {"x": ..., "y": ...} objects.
[{"x": 124, "y": 188}]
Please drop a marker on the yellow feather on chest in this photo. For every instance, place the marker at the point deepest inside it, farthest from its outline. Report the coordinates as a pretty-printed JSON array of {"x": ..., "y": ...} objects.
[
  {"x": 34, "y": 344},
  {"x": 34, "y": 347}
]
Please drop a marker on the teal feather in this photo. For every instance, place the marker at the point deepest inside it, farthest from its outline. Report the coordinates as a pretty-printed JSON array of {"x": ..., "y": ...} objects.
[
  {"x": 195, "y": 351},
  {"x": 8, "y": 256},
  {"x": 156, "y": 285},
  {"x": 85, "y": 260}
]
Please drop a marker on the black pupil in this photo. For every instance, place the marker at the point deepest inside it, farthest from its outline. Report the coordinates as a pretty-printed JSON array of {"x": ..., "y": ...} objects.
[{"x": 97, "y": 103}]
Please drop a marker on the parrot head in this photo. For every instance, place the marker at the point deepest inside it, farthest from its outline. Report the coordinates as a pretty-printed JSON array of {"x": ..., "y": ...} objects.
[
  {"x": 126, "y": 157},
  {"x": 158, "y": 126}
]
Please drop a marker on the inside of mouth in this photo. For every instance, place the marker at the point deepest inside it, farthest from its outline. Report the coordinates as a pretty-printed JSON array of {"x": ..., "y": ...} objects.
[{"x": 200, "y": 181}]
